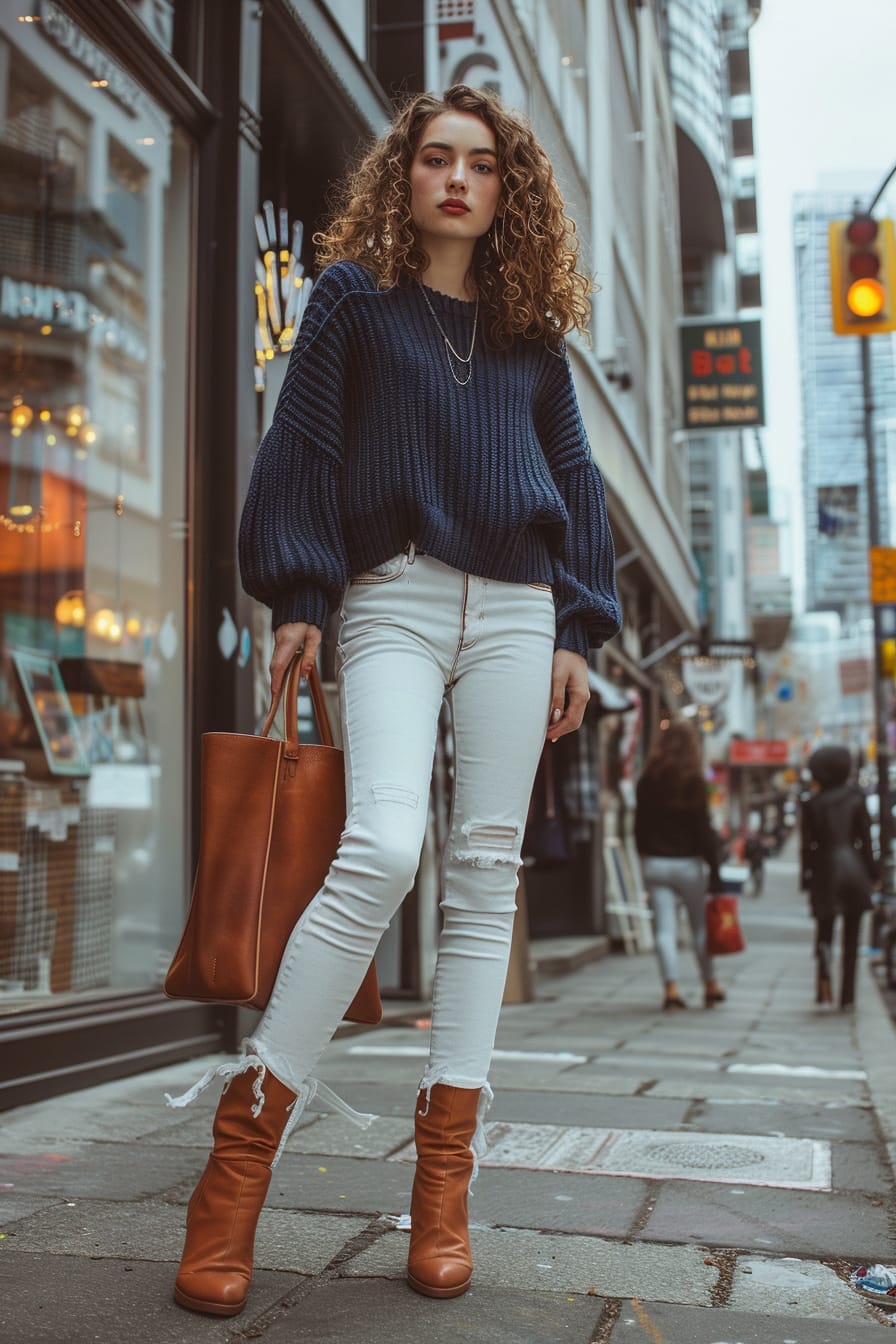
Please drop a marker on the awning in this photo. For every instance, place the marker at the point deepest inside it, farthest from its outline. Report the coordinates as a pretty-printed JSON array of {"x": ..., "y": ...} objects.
[{"x": 609, "y": 698}]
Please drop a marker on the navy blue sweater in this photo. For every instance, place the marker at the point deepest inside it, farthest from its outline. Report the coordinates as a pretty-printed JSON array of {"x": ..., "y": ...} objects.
[{"x": 373, "y": 444}]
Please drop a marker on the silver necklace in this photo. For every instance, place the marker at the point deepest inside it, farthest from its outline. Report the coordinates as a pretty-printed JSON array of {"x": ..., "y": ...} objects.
[{"x": 449, "y": 348}]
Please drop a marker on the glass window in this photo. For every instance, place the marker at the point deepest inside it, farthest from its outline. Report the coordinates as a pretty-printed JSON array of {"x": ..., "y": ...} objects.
[{"x": 94, "y": 291}]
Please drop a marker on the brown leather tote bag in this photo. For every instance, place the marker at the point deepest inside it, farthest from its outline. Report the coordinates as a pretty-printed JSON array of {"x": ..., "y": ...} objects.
[{"x": 272, "y": 813}]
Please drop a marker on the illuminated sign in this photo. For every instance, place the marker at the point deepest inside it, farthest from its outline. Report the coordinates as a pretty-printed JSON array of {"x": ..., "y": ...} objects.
[
  {"x": 69, "y": 310},
  {"x": 105, "y": 74},
  {"x": 745, "y": 752},
  {"x": 722, "y": 371}
]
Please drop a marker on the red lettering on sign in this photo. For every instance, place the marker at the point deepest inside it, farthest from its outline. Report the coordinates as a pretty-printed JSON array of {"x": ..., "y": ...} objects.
[
  {"x": 725, "y": 364},
  {"x": 745, "y": 359},
  {"x": 701, "y": 363}
]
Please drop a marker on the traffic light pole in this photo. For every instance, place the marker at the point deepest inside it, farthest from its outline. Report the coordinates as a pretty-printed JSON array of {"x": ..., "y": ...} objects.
[{"x": 881, "y": 707}]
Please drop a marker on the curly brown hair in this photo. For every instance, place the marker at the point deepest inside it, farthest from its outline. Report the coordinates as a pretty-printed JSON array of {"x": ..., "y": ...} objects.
[
  {"x": 524, "y": 267},
  {"x": 676, "y": 760}
]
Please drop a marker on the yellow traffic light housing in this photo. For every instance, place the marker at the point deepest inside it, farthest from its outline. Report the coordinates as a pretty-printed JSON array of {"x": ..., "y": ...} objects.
[{"x": 862, "y": 253}]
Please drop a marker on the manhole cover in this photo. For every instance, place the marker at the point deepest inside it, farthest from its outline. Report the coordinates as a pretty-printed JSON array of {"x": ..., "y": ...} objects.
[
  {"x": 715, "y": 1156},
  {"x": 730, "y": 1159}
]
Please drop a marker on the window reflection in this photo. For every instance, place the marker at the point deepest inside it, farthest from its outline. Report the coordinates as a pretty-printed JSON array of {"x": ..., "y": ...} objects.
[{"x": 94, "y": 279}]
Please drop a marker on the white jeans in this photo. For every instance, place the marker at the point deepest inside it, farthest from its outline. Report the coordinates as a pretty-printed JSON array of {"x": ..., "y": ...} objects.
[
  {"x": 668, "y": 881},
  {"x": 414, "y": 630}
]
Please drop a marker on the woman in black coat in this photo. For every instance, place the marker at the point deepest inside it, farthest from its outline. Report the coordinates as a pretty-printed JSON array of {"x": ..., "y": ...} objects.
[{"x": 839, "y": 869}]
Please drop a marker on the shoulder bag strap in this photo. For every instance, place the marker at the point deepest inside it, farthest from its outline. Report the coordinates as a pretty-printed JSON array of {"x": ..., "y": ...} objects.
[{"x": 318, "y": 703}]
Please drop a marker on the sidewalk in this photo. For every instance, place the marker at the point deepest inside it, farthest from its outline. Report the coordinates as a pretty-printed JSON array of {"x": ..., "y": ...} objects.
[{"x": 656, "y": 1178}]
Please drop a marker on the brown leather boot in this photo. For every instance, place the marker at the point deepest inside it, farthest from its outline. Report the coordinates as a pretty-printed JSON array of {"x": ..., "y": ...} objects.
[
  {"x": 216, "y": 1267},
  {"x": 440, "y": 1262}
]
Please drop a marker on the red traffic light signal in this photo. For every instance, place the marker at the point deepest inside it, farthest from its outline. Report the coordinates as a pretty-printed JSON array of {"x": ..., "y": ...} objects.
[{"x": 863, "y": 275}]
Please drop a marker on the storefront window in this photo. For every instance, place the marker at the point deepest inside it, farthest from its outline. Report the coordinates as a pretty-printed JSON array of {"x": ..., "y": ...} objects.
[{"x": 94, "y": 286}]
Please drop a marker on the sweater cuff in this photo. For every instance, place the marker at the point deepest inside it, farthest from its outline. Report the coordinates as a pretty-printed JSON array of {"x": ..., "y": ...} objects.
[
  {"x": 305, "y": 602},
  {"x": 573, "y": 636}
]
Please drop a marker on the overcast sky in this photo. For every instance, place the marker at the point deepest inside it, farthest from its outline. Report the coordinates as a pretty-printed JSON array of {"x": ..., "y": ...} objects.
[{"x": 824, "y": 102}]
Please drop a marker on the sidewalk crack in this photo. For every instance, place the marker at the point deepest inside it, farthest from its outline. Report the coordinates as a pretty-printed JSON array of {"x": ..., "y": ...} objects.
[
  {"x": 606, "y": 1321},
  {"x": 257, "y": 1328},
  {"x": 726, "y": 1263}
]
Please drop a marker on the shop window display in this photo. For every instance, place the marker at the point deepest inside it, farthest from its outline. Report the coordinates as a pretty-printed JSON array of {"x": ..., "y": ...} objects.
[{"x": 94, "y": 284}]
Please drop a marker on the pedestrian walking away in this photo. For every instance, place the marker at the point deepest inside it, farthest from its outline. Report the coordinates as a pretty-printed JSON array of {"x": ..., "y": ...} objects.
[
  {"x": 839, "y": 869},
  {"x": 679, "y": 851},
  {"x": 427, "y": 478}
]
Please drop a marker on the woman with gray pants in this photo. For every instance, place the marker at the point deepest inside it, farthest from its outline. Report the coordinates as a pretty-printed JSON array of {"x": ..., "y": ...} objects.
[{"x": 679, "y": 850}]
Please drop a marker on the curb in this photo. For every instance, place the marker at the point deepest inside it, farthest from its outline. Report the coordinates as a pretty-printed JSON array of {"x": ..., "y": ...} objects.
[
  {"x": 876, "y": 1039},
  {"x": 561, "y": 956}
]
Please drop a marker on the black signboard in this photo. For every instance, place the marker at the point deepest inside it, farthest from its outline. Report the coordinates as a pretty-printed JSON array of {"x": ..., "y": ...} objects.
[{"x": 722, "y": 370}]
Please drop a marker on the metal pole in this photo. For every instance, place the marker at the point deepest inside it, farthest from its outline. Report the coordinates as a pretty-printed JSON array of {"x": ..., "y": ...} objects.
[{"x": 880, "y": 698}]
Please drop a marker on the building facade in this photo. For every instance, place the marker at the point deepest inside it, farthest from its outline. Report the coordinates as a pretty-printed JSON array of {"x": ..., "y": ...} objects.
[
  {"x": 834, "y": 467},
  {"x": 707, "y": 47}
]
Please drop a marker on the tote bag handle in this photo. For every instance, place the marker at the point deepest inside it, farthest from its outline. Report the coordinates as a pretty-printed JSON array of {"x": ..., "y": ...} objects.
[{"x": 318, "y": 703}]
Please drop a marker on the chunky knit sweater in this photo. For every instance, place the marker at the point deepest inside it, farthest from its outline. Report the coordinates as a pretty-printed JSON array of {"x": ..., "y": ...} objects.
[{"x": 373, "y": 444}]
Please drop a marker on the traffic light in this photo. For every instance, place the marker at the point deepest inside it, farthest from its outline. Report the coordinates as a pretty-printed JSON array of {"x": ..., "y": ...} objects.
[{"x": 862, "y": 253}]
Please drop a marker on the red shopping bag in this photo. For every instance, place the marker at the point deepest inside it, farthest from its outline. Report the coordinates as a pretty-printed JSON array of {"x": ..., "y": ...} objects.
[{"x": 723, "y": 931}]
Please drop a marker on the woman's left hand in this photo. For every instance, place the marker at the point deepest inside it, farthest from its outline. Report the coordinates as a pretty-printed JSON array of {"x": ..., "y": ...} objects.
[{"x": 569, "y": 693}]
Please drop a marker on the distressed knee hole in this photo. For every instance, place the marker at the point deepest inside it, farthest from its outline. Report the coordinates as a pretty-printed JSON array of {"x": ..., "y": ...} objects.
[
  {"x": 488, "y": 844},
  {"x": 394, "y": 793}
]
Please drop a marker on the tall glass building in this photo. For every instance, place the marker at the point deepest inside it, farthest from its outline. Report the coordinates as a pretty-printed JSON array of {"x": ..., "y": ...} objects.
[{"x": 833, "y": 451}]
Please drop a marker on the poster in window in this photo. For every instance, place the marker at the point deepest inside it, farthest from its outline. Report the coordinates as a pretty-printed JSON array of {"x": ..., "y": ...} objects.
[{"x": 51, "y": 713}]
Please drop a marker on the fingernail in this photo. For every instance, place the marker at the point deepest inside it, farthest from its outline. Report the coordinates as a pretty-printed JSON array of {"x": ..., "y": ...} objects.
[{"x": 556, "y": 716}]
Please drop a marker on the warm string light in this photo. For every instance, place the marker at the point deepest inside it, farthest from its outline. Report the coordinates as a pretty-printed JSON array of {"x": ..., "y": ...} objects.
[{"x": 106, "y": 623}]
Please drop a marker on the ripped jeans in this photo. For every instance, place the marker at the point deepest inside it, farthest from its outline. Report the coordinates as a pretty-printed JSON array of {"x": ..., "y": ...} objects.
[{"x": 413, "y": 631}]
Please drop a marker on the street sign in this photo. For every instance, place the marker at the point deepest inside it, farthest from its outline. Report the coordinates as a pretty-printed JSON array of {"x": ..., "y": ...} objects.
[
  {"x": 882, "y": 568},
  {"x": 722, "y": 650},
  {"x": 708, "y": 681},
  {"x": 757, "y": 752},
  {"x": 722, "y": 370}
]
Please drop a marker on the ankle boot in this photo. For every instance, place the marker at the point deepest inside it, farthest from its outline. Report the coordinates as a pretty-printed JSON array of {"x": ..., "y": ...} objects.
[
  {"x": 440, "y": 1262},
  {"x": 222, "y": 1214}
]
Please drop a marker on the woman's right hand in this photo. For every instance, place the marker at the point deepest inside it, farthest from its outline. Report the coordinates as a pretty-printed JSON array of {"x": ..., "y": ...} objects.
[{"x": 289, "y": 639}]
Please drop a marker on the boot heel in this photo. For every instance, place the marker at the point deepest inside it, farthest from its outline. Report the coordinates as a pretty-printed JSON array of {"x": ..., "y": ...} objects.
[
  {"x": 428, "y": 1290},
  {"x": 216, "y": 1266},
  {"x": 440, "y": 1262}
]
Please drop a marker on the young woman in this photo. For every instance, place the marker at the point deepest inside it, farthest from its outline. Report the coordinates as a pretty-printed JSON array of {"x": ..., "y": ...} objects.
[
  {"x": 678, "y": 849},
  {"x": 839, "y": 869},
  {"x": 427, "y": 476}
]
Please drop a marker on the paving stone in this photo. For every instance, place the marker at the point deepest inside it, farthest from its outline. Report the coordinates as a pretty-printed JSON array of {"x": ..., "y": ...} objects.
[
  {"x": 32, "y": 1129},
  {"x": 14, "y": 1207},
  {"x": 651, "y": 1322},
  {"x": 655, "y": 1065},
  {"x": 858, "y": 1166},
  {"x": 84, "y": 1300},
  {"x": 824, "y": 1121},
  {"x": 610, "y": 1112},
  {"x": 298, "y": 1242},
  {"x": 600, "y": 1205},
  {"x": 794, "y": 1288},
  {"x": 794, "y": 1222},
  {"x": 606, "y": 1084},
  {"x": 338, "y": 1137},
  {"x": 103, "y": 1171},
  {"x": 352, "y": 1185},
  {"x": 391, "y": 1311},
  {"x": 531, "y": 1260},
  {"x": 719, "y": 1088}
]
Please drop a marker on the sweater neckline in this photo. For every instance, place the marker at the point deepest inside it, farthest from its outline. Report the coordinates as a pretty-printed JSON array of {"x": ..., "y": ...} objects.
[{"x": 447, "y": 300}]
